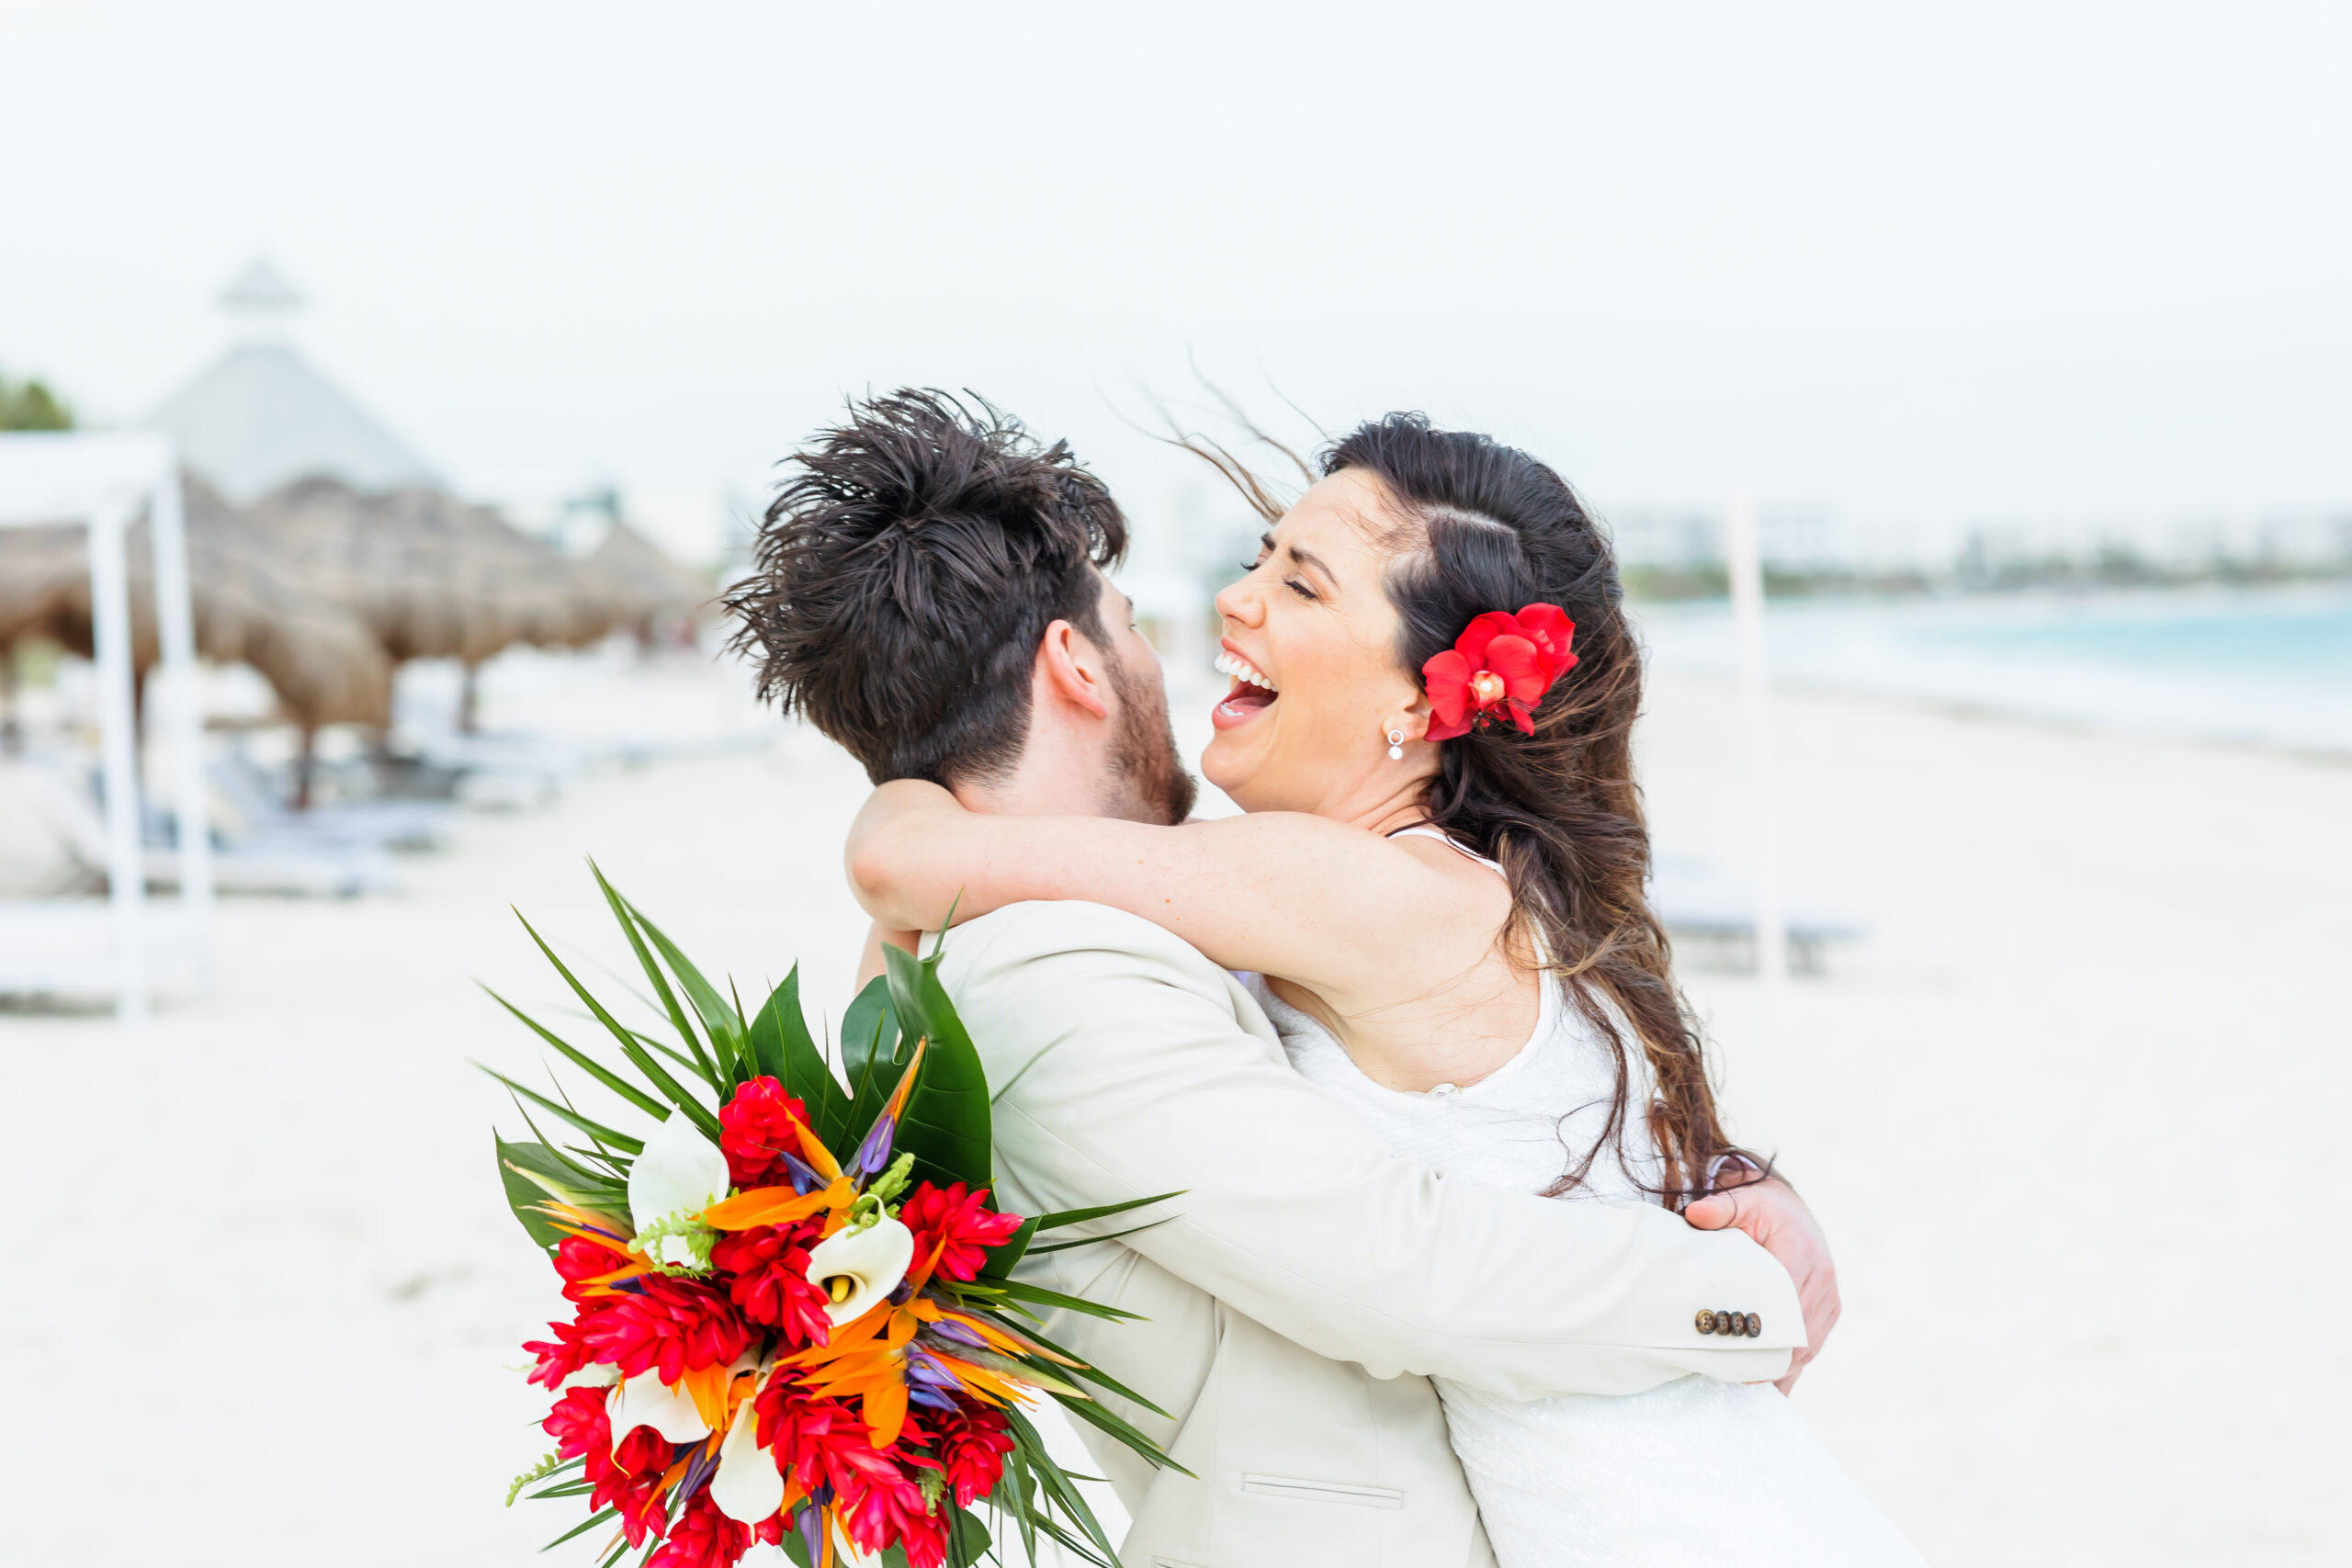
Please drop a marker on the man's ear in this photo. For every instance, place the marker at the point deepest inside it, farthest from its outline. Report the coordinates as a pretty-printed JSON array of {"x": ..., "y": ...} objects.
[{"x": 1073, "y": 668}]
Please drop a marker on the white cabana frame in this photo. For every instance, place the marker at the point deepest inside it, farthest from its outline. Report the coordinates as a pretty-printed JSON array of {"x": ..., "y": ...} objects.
[{"x": 103, "y": 480}]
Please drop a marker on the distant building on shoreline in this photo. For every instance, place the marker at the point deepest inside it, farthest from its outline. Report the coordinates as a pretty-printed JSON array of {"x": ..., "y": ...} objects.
[
  {"x": 1679, "y": 553},
  {"x": 263, "y": 416}
]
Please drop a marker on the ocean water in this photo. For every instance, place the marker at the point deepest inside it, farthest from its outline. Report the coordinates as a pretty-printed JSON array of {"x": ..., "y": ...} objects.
[{"x": 2269, "y": 667}]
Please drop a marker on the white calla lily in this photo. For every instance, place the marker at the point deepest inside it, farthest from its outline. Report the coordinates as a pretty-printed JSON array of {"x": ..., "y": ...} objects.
[
  {"x": 677, "y": 1174},
  {"x": 647, "y": 1401},
  {"x": 856, "y": 1268},
  {"x": 747, "y": 1486}
]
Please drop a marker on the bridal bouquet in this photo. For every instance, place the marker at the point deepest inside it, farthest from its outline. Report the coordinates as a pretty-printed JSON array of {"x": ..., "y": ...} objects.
[{"x": 791, "y": 1311}]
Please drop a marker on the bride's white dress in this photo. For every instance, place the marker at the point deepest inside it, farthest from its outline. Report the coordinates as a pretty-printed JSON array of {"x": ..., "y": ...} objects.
[{"x": 1696, "y": 1472}]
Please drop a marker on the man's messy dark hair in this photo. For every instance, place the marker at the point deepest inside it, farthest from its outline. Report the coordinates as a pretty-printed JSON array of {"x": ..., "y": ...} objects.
[{"x": 908, "y": 570}]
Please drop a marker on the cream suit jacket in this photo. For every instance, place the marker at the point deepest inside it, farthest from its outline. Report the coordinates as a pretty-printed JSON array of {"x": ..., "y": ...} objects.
[{"x": 1309, "y": 1282}]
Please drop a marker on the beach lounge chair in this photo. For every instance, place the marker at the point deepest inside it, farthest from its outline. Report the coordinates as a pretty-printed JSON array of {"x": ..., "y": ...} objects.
[
  {"x": 245, "y": 795},
  {"x": 255, "y": 862},
  {"x": 1700, "y": 903}
]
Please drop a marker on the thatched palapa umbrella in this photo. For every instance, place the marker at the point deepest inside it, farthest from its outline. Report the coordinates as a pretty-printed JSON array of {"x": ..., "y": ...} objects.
[
  {"x": 317, "y": 656},
  {"x": 37, "y": 570},
  {"x": 642, "y": 586},
  {"x": 324, "y": 590},
  {"x": 433, "y": 576},
  {"x": 37, "y": 567}
]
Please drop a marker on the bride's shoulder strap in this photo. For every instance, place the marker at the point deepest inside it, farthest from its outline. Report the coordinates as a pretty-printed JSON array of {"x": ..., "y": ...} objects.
[{"x": 1431, "y": 830}]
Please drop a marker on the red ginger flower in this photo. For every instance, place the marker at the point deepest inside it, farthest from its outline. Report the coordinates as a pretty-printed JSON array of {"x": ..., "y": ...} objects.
[
  {"x": 756, "y": 1130},
  {"x": 963, "y": 1219},
  {"x": 673, "y": 1326},
  {"x": 886, "y": 1507},
  {"x": 628, "y": 1477},
  {"x": 971, "y": 1446},
  {"x": 631, "y": 1483},
  {"x": 878, "y": 1499},
  {"x": 582, "y": 1430},
  {"x": 580, "y": 1260},
  {"x": 811, "y": 1435},
  {"x": 703, "y": 1538},
  {"x": 823, "y": 1441},
  {"x": 568, "y": 1351},
  {"x": 1500, "y": 667},
  {"x": 768, "y": 1270}
]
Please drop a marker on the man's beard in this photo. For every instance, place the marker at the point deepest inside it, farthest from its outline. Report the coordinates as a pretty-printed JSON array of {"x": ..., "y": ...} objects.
[{"x": 1148, "y": 783}]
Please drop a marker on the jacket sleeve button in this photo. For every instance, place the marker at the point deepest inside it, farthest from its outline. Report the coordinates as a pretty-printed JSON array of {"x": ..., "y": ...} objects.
[
  {"x": 1706, "y": 1321},
  {"x": 1755, "y": 1326}
]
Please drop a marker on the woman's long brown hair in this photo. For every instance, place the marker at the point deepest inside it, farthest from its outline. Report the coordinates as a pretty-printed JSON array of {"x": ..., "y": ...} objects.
[{"x": 1485, "y": 526}]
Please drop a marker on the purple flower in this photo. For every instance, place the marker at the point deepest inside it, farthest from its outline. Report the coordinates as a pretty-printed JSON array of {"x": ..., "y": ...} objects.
[
  {"x": 954, "y": 1334},
  {"x": 804, "y": 1179},
  {"x": 875, "y": 1153},
  {"x": 699, "y": 1468},
  {"x": 923, "y": 1370}
]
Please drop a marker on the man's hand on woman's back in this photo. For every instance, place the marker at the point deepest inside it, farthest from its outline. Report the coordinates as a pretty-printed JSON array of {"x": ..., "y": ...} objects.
[{"x": 1773, "y": 1216}]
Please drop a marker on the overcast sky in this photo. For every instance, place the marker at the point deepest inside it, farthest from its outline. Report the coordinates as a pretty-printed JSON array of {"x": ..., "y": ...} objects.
[{"x": 2040, "y": 260}]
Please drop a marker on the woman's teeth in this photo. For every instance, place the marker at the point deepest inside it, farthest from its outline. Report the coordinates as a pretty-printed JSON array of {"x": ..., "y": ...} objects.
[{"x": 1241, "y": 669}]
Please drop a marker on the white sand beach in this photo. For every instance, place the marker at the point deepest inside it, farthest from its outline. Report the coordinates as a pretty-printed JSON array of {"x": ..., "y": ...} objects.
[{"x": 2068, "y": 1111}]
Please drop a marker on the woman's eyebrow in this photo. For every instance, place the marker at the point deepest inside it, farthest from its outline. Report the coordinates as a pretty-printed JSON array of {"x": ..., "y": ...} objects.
[
  {"x": 1307, "y": 558},
  {"x": 1312, "y": 562}
]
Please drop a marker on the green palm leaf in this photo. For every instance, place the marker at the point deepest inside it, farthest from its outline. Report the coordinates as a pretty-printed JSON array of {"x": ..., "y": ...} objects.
[
  {"x": 724, "y": 1023},
  {"x": 524, "y": 1196},
  {"x": 946, "y": 1123},
  {"x": 587, "y": 1064},
  {"x": 639, "y": 1057},
  {"x": 869, "y": 1049},
  {"x": 784, "y": 1051},
  {"x": 702, "y": 1063},
  {"x": 596, "y": 1129}
]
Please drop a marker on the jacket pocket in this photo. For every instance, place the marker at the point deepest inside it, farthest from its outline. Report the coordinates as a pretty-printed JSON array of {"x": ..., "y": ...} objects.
[{"x": 1323, "y": 1490}]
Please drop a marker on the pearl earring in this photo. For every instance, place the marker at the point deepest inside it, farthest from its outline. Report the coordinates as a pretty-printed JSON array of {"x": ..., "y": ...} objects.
[{"x": 1396, "y": 745}]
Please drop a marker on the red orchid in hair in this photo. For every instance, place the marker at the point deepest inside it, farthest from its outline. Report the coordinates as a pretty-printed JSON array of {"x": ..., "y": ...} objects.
[{"x": 1500, "y": 667}]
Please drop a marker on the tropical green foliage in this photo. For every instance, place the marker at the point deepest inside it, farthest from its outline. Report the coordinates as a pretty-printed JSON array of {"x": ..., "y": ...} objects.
[{"x": 30, "y": 405}]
